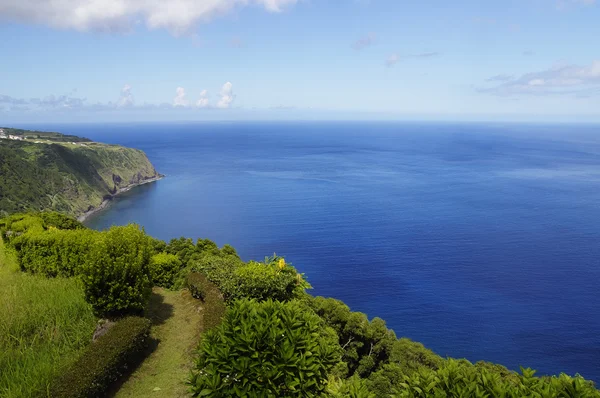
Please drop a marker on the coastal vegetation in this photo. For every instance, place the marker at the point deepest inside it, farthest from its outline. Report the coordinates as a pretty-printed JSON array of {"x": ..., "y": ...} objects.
[
  {"x": 261, "y": 333},
  {"x": 50, "y": 171}
]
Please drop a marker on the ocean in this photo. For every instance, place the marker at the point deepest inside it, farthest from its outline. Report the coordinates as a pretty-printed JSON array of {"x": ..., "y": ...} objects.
[{"x": 479, "y": 240}]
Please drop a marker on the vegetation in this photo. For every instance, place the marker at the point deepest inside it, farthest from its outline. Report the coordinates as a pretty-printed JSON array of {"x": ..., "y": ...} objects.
[
  {"x": 269, "y": 349},
  {"x": 214, "y": 305},
  {"x": 104, "y": 361},
  {"x": 116, "y": 277},
  {"x": 164, "y": 268},
  {"x": 56, "y": 174},
  {"x": 44, "y": 324},
  {"x": 263, "y": 334},
  {"x": 462, "y": 379},
  {"x": 177, "y": 325}
]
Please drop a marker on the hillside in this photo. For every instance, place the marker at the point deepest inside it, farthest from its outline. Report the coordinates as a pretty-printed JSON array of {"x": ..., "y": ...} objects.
[{"x": 73, "y": 175}]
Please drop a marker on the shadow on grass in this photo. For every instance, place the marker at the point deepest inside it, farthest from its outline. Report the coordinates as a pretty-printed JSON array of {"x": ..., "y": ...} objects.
[{"x": 158, "y": 312}]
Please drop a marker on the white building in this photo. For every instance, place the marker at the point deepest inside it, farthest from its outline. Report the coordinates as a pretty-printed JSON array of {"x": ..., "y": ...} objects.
[{"x": 15, "y": 137}]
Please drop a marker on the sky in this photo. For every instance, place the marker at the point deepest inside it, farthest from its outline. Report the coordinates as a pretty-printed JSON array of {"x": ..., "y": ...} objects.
[{"x": 177, "y": 60}]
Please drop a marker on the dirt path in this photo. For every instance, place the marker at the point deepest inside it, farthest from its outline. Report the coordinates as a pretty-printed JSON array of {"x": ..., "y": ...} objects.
[{"x": 177, "y": 324}]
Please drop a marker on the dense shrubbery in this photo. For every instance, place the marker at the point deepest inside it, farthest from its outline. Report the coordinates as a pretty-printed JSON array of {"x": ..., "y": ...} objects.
[
  {"x": 164, "y": 268},
  {"x": 269, "y": 349},
  {"x": 271, "y": 279},
  {"x": 276, "y": 340},
  {"x": 104, "y": 361},
  {"x": 214, "y": 305},
  {"x": 462, "y": 379},
  {"x": 116, "y": 276},
  {"x": 55, "y": 252}
]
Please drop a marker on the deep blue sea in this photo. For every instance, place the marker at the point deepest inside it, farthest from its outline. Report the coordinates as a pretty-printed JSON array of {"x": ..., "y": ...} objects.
[{"x": 480, "y": 240}]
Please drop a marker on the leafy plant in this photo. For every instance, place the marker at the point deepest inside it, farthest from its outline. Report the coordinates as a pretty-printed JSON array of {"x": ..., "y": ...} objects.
[
  {"x": 214, "y": 305},
  {"x": 164, "y": 267},
  {"x": 269, "y": 349},
  {"x": 104, "y": 361},
  {"x": 116, "y": 277}
]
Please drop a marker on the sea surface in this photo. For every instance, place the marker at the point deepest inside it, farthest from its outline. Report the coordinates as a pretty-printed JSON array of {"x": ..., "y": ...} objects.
[{"x": 481, "y": 241}]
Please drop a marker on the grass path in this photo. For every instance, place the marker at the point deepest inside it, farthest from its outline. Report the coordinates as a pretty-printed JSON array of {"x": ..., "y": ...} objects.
[{"x": 177, "y": 324}]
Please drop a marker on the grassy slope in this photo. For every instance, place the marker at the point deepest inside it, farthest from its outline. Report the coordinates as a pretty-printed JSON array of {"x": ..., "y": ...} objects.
[
  {"x": 66, "y": 177},
  {"x": 43, "y": 325},
  {"x": 177, "y": 326}
]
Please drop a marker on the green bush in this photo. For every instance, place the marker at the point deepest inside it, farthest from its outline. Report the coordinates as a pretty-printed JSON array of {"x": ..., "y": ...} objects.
[
  {"x": 55, "y": 252},
  {"x": 104, "y": 361},
  {"x": 214, "y": 305},
  {"x": 164, "y": 267},
  {"x": 272, "y": 279},
  {"x": 353, "y": 387},
  {"x": 116, "y": 277},
  {"x": 462, "y": 379},
  {"x": 268, "y": 349},
  {"x": 60, "y": 221},
  {"x": 367, "y": 344}
]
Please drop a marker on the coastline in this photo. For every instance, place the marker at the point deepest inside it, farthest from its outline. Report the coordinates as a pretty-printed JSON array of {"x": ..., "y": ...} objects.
[{"x": 105, "y": 202}]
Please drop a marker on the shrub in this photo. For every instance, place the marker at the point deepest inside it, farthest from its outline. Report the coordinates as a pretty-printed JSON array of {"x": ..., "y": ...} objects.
[
  {"x": 265, "y": 349},
  {"x": 60, "y": 221},
  {"x": 462, "y": 379},
  {"x": 55, "y": 252},
  {"x": 104, "y": 361},
  {"x": 367, "y": 344},
  {"x": 164, "y": 268},
  {"x": 116, "y": 277},
  {"x": 273, "y": 279},
  {"x": 214, "y": 305},
  {"x": 353, "y": 387}
]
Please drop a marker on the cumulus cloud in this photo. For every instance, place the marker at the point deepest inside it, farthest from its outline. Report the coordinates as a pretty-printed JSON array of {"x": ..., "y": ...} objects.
[
  {"x": 180, "y": 100},
  {"x": 126, "y": 98},
  {"x": 559, "y": 80},
  {"x": 364, "y": 42},
  {"x": 203, "y": 100},
  {"x": 177, "y": 16},
  {"x": 226, "y": 96}
]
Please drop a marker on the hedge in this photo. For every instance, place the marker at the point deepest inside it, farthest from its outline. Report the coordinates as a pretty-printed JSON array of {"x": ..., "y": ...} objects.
[
  {"x": 104, "y": 361},
  {"x": 55, "y": 252},
  {"x": 214, "y": 305}
]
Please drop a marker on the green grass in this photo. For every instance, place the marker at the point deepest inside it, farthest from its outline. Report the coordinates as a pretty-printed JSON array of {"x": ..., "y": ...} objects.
[
  {"x": 177, "y": 324},
  {"x": 43, "y": 325}
]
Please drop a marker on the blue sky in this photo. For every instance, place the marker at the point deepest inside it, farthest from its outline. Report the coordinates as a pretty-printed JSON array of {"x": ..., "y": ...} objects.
[{"x": 130, "y": 60}]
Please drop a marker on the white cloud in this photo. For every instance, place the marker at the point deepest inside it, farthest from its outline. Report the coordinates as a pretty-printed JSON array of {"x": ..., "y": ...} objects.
[
  {"x": 178, "y": 16},
  {"x": 180, "y": 100},
  {"x": 226, "y": 96},
  {"x": 562, "y": 79},
  {"x": 203, "y": 100},
  {"x": 126, "y": 98}
]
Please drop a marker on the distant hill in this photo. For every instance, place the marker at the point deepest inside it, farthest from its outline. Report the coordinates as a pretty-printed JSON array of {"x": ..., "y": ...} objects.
[{"x": 73, "y": 175}]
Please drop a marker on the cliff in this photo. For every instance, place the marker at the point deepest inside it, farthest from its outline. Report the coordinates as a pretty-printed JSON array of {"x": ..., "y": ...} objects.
[{"x": 50, "y": 171}]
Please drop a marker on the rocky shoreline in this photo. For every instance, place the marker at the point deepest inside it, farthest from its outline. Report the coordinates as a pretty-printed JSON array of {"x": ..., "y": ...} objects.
[{"x": 105, "y": 202}]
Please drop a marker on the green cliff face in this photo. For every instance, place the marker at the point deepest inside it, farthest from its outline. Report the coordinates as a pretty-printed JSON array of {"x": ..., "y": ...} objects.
[{"x": 46, "y": 172}]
